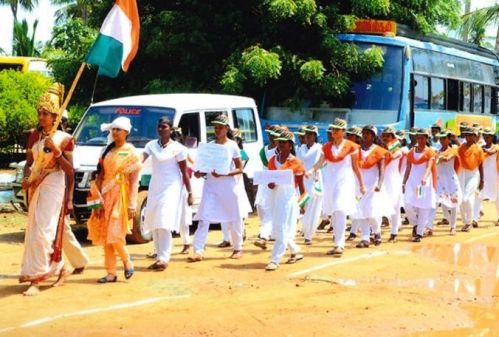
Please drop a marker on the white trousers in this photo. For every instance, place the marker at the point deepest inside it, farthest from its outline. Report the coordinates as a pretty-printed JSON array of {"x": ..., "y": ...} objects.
[
  {"x": 356, "y": 225},
  {"x": 367, "y": 224},
  {"x": 184, "y": 234},
  {"x": 395, "y": 222},
  {"x": 339, "y": 220},
  {"x": 265, "y": 215},
  {"x": 431, "y": 217},
  {"x": 477, "y": 206},
  {"x": 284, "y": 238},
  {"x": 467, "y": 207},
  {"x": 201, "y": 234},
  {"x": 418, "y": 216},
  {"x": 163, "y": 244},
  {"x": 72, "y": 248}
]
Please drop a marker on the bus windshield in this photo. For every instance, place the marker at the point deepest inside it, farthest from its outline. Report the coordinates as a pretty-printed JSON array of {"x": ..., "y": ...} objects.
[
  {"x": 143, "y": 119},
  {"x": 383, "y": 90}
]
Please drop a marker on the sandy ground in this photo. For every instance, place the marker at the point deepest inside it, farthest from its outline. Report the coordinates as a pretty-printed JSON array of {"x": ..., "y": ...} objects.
[{"x": 444, "y": 286}]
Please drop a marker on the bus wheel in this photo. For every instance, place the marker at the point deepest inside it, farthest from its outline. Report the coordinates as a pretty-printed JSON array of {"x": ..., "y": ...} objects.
[{"x": 138, "y": 234}]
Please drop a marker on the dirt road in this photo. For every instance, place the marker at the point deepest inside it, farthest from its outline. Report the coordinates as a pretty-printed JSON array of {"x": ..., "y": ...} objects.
[{"x": 444, "y": 286}]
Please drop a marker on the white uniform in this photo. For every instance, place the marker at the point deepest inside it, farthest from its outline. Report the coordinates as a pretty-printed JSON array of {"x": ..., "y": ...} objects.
[
  {"x": 419, "y": 200},
  {"x": 220, "y": 203},
  {"x": 261, "y": 202},
  {"x": 313, "y": 186},
  {"x": 164, "y": 202},
  {"x": 448, "y": 190},
  {"x": 392, "y": 185}
]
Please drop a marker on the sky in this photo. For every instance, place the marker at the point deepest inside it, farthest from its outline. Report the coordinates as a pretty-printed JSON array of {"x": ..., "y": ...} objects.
[{"x": 45, "y": 14}]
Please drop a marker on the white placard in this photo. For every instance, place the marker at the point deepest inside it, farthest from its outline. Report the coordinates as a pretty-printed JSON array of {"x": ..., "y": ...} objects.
[
  {"x": 278, "y": 177},
  {"x": 212, "y": 157}
]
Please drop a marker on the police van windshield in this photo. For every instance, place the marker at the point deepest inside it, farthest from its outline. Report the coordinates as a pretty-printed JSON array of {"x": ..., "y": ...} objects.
[{"x": 143, "y": 119}]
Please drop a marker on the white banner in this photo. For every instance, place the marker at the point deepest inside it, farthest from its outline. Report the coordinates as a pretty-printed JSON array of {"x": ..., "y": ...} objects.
[
  {"x": 212, "y": 157},
  {"x": 278, "y": 177}
]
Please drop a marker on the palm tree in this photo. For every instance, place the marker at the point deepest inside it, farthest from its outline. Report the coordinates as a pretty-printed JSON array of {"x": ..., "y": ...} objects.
[
  {"x": 24, "y": 45},
  {"x": 478, "y": 20},
  {"x": 72, "y": 9},
  {"x": 27, "y": 5}
]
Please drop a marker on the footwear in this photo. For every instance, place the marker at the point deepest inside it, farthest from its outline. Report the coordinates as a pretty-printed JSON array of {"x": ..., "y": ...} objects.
[
  {"x": 443, "y": 222},
  {"x": 307, "y": 242},
  {"x": 337, "y": 251},
  {"x": 384, "y": 222},
  {"x": 362, "y": 244},
  {"x": 414, "y": 231},
  {"x": 128, "y": 273},
  {"x": 323, "y": 224},
  {"x": 351, "y": 237},
  {"x": 393, "y": 238},
  {"x": 377, "y": 239},
  {"x": 271, "y": 266},
  {"x": 195, "y": 258},
  {"x": 330, "y": 229},
  {"x": 106, "y": 280},
  {"x": 405, "y": 221},
  {"x": 185, "y": 250},
  {"x": 417, "y": 238},
  {"x": 236, "y": 255},
  {"x": 78, "y": 271},
  {"x": 429, "y": 232},
  {"x": 474, "y": 224},
  {"x": 466, "y": 228},
  {"x": 152, "y": 255},
  {"x": 158, "y": 266},
  {"x": 294, "y": 258},
  {"x": 262, "y": 243},
  {"x": 223, "y": 244},
  {"x": 452, "y": 232}
]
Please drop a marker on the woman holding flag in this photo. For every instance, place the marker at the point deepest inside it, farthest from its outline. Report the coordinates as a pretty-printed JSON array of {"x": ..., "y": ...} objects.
[
  {"x": 309, "y": 153},
  {"x": 283, "y": 202},
  {"x": 116, "y": 183},
  {"x": 419, "y": 185},
  {"x": 49, "y": 166}
]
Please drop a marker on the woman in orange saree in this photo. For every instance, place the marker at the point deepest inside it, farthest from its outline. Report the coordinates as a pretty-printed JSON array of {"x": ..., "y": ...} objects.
[{"x": 116, "y": 185}]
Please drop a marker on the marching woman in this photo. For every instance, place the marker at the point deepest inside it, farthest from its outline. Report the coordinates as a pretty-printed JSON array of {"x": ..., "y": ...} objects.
[
  {"x": 283, "y": 202},
  {"x": 419, "y": 185},
  {"x": 49, "y": 194},
  {"x": 354, "y": 134},
  {"x": 342, "y": 168},
  {"x": 448, "y": 189},
  {"x": 370, "y": 207},
  {"x": 263, "y": 192},
  {"x": 163, "y": 213},
  {"x": 471, "y": 176},
  {"x": 116, "y": 184},
  {"x": 309, "y": 153},
  {"x": 220, "y": 199},
  {"x": 490, "y": 176},
  {"x": 392, "y": 182}
]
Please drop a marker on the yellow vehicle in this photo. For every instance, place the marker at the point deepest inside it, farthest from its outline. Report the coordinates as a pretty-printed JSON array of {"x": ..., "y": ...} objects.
[{"x": 25, "y": 64}]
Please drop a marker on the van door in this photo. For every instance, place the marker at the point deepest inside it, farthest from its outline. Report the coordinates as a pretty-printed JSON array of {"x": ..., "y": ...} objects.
[
  {"x": 190, "y": 124},
  {"x": 245, "y": 120}
]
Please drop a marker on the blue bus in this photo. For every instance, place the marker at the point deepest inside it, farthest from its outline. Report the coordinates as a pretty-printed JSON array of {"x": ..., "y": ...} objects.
[{"x": 424, "y": 80}]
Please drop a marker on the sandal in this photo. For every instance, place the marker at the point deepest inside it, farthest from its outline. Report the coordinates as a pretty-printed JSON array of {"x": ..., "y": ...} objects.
[
  {"x": 271, "y": 266},
  {"x": 236, "y": 255},
  {"x": 294, "y": 258},
  {"x": 474, "y": 224},
  {"x": 466, "y": 228},
  {"x": 158, "y": 266},
  {"x": 393, "y": 238},
  {"x": 151, "y": 255},
  {"x": 452, "y": 232},
  {"x": 362, "y": 244},
  {"x": 223, "y": 244},
  {"x": 195, "y": 258},
  {"x": 185, "y": 250},
  {"x": 377, "y": 239},
  {"x": 417, "y": 238},
  {"x": 262, "y": 243},
  {"x": 351, "y": 237},
  {"x": 337, "y": 251}
]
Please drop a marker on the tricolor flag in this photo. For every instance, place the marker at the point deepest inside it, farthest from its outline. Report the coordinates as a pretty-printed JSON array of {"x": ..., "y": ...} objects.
[
  {"x": 118, "y": 39},
  {"x": 303, "y": 200},
  {"x": 394, "y": 146}
]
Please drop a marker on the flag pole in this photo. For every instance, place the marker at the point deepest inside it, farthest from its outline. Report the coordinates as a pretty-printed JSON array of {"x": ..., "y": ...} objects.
[
  {"x": 93, "y": 89},
  {"x": 70, "y": 92}
]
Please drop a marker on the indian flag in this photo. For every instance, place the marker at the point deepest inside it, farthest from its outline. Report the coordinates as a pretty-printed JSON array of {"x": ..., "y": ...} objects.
[
  {"x": 303, "y": 200},
  {"x": 118, "y": 39}
]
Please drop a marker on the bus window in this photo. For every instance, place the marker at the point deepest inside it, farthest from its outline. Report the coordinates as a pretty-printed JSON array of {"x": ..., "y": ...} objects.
[
  {"x": 244, "y": 120},
  {"x": 189, "y": 123},
  {"x": 487, "y": 100},
  {"x": 421, "y": 92},
  {"x": 209, "y": 116},
  {"x": 437, "y": 94},
  {"x": 465, "y": 99},
  {"x": 452, "y": 95},
  {"x": 477, "y": 98}
]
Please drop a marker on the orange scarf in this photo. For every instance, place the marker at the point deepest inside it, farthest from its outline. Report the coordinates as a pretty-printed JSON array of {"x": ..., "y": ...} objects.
[
  {"x": 471, "y": 157},
  {"x": 427, "y": 154},
  {"x": 377, "y": 153},
  {"x": 389, "y": 154},
  {"x": 449, "y": 153},
  {"x": 493, "y": 147},
  {"x": 348, "y": 148},
  {"x": 291, "y": 163}
]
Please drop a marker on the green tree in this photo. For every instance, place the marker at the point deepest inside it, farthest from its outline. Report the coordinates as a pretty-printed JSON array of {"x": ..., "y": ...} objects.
[
  {"x": 476, "y": 23},
  {"x": 27, "y": 5},
  {"x": 72, "y": 9},
  {"x": 24, "y": 44},
  {"x": 19, "y": 93}
]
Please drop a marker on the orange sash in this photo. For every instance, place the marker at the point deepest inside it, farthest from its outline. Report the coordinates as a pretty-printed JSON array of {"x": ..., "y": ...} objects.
[
  {"x": 292, "y": 163},
  {"x": 427, "y": 154},
  {"x": 348, "y": 148},
  {"x": 376, "y": 154},
  {"x": 471, "y": 157},
  {"x": 493, "y": 147},
  {"x": 449, "y": 153},
  {"x": 389, "y": 154}
]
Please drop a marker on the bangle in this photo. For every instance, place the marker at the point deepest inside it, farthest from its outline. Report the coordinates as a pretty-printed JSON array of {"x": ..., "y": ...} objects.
[{"x": 59, "y": 156}]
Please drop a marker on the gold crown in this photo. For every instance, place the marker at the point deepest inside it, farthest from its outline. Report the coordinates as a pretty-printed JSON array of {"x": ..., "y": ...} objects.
[{"x": 52, "y": 99}]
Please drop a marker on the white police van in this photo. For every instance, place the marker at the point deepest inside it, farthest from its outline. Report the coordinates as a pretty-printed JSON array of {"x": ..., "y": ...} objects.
[{"x": 193, "y": 113}]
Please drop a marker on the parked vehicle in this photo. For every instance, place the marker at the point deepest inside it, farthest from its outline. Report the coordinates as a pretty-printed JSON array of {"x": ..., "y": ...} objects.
[{"x": 25, "y": 64}]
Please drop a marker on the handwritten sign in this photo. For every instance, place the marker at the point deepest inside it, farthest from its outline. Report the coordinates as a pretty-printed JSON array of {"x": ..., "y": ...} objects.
[
  {"x": 278, "y": 177},
  {"x": 212, "y": 157}
]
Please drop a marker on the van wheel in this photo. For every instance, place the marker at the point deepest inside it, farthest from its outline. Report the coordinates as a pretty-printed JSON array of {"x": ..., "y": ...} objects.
[{"x": 138, "y": 235}]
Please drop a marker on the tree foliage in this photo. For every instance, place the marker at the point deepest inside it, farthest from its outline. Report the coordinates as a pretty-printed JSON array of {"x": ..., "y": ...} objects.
[
  {"x": 24, "y": 44},
  {"x": 19, "y": 93},
  {"x": 475, "y": 24}
]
